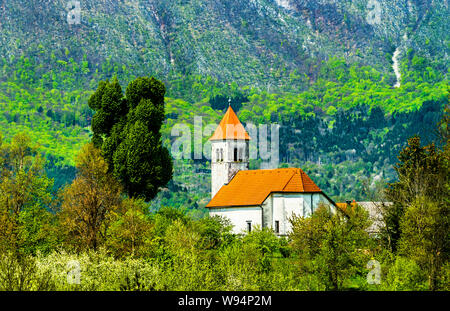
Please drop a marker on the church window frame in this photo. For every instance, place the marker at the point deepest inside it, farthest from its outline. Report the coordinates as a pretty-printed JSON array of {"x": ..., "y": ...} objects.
[
  {"x": 277, "y": 226},
  {"x": 249, "y": 226},
  {"x": 240, "y": 155}
]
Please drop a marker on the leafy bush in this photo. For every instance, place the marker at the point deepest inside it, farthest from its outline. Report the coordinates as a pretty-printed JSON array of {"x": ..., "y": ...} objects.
[{"x": 405, "y": 275}]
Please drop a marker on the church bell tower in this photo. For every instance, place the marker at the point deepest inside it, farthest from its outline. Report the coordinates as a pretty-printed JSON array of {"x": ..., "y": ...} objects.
[{"x": 229, "y": 150}]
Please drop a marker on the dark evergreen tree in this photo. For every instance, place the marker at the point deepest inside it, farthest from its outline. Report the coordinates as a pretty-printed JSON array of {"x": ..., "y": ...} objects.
[
  {"x": 419, "y": 174},
  {"x": 128, "y": 131}
]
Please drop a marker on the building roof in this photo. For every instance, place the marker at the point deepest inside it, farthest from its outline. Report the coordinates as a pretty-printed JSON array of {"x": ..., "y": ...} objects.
[
  {"x": 374, "y": 209},
  {"x": 251, "y": 188},
  {"x": 345, "y": 207},
  {"x": 230, "y": 127}
]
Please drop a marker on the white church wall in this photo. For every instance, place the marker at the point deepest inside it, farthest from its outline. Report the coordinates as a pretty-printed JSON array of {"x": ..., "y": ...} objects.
[
  {"x": 267, "y": 210},
  {"x": 285, "y": 205},
  {"x": 219, "y": 172},
  {"x": 224, "y": 167},
  {"x": 277, "y": 207},
  {"x": 218, "y": 169},
  {"x": 320, "y": 198},
  {"x": 240, "y": 216}
]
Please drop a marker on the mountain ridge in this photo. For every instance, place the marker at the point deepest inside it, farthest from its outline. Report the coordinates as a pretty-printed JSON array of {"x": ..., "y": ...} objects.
[{"x": 251, "y": 42}]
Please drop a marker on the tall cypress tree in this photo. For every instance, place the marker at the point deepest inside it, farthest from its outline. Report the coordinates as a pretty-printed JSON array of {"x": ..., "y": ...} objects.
[{"x": 128, "y": 130}]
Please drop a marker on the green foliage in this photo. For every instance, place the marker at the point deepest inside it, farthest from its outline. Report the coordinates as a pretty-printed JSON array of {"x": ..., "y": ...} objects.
[
  {"x": 215, "y": 232},
  {"x": 52, "y": 106},
  {"x": 420, "y": 174},
  {"x": 130, "y": 232},
  {"x": 23, "y": 273},
  {"x": 331, "y": 246},
  {"x": 405, "y": 275},
  {"x": 341, "y": 121},
  {"x": 24, "y": 198},
  {"x": 128, "y": 131},
  {"x": 89, "y": 202},
  {"x": 424, "y": 237},
  {"x": 417, "y": 222}
]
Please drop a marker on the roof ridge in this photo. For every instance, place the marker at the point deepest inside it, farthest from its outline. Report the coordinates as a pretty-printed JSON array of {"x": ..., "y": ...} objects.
[
  {"x": 228, "y": 115},
  {"x": 230, "y": 127},
  {"x": 252, "y": 187},
  {"x": 287, "y": 183},
  {"x": 310, "y": 181},
  {"x": 300, "y": 171}
]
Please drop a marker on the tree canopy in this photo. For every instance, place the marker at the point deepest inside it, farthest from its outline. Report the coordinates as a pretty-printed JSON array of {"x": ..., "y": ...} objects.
[{"x": 128, "y": 131}]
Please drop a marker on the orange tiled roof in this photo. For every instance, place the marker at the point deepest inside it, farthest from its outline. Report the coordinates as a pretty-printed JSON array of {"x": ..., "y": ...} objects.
[
  {"x": 230, "y": 128},
  {"x": 344, "y": 206},
  {"x": 251, "y": 188}
]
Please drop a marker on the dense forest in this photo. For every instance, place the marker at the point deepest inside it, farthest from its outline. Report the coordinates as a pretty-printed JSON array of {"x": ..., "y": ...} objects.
[
  {"x": 346, "y": 100},
  {"x": 362, "y": 107},
  {"x": 92, "y": 236},
  {"x": 54, "y": 229}
]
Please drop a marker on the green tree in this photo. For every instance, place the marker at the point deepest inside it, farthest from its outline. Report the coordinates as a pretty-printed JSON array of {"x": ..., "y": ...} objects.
[
  {"x": 266, "y": 243},
  {"x": 420, "y": 174},
  {"x": 425, "y": 237},
  {"x": 131, "y": 230},
  {"x": 89, "y": 203},
  {"x": 331, "y": 246},
  {"x": 110, "y": 108},
  {"x": 128, "y": 130},
  {"x": 215, "y": 232},
  {"x": 404, "y": 274},
  {"x": 25, "y": 195},
  {"x": 417, "y": 223}
]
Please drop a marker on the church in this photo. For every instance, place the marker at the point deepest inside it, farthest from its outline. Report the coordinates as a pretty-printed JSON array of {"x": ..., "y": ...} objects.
[{"x": 267, "y": 197}]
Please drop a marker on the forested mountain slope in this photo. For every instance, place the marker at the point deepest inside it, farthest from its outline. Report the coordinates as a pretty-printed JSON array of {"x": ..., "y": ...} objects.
[
  {"x": 322, "y": 69},
  {"x": 251, "y": 42}
]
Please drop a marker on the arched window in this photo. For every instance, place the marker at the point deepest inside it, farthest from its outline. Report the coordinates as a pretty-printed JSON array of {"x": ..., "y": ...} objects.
[
  {"x": 217, "y": 155},
  {"x": 221, "y": 154},
  {"x": 235, "y": 154}
]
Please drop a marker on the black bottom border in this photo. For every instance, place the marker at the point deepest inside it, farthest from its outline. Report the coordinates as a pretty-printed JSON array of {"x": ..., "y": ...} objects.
[{"x": 205, "y": 300}]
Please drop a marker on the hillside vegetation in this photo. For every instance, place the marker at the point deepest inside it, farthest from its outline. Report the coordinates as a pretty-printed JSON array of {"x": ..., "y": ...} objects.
[{"x": 321, "y": 69}]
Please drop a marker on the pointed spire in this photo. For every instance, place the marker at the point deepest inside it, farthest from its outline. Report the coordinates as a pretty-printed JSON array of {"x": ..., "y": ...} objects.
[{"x": 230, "y": 127}]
